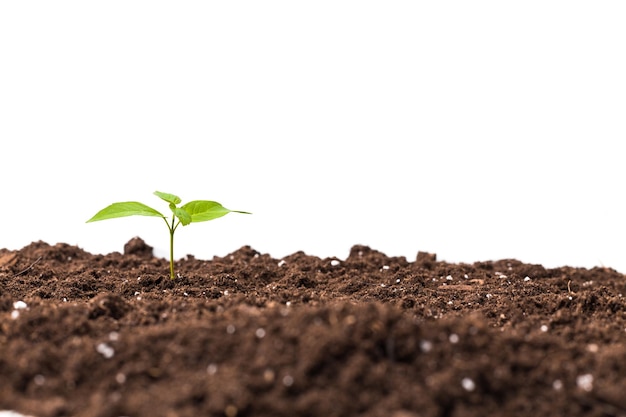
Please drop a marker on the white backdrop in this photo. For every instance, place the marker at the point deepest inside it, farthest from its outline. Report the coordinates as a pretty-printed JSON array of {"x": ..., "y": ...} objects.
[{"x": 477, "y": 130}]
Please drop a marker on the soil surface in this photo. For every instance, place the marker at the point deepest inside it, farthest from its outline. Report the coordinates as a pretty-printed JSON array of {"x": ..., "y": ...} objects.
[{"x": 360, "y": 335}]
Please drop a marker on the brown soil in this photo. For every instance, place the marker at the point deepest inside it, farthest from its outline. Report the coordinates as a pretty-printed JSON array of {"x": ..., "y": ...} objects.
[{"x": 249, "y": 335}]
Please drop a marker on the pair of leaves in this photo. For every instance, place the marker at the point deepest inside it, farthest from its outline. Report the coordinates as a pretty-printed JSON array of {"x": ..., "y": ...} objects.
[{"x": 192, "y": 212}]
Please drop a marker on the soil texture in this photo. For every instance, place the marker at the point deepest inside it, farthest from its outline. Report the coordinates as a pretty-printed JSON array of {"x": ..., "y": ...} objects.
[{"x": 89, "y": 335}]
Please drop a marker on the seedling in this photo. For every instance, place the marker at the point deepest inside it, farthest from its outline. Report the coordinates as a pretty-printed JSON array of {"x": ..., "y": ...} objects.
[{"x": 193, "y": 212}]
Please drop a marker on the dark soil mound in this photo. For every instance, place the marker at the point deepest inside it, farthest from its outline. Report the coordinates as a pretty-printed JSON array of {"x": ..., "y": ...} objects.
[{"x": 248, "y": 335}]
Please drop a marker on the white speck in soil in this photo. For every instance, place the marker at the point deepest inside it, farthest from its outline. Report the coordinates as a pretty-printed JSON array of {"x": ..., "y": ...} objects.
[
  {"x": 15, "y": 314},
  {"x": 544, "y": 328},
  {"x": 105, "y": 350},
  {"x": 592, "y": 347},
  {"x": 230, "y": 329},
  {"x": 120, "y": 378},
  {"x": 426, "y": 346},
  {"x": 282, "y": 262},
  {"x": 449, "y": 278},
  {"x": 288, "y": 380},
  {"x": 334, "y": 262},
  {"x": 211, "y": 369},
  {"x": 385, "y": 267},
  {"x": 585, "y": 382},
  {"x": 7, "y": 413},
  {"x": 557, "y": 385},
  {"x": 260, "y": 333},
  {"x": 468, "y": 384},
  {"x": 39, "y": 379},
  {"x": 114, "y": 336},
  {"x": 526, "y": 279},
  {"x": 19, "y": 305},
  {"x": 454, "y": 338}
]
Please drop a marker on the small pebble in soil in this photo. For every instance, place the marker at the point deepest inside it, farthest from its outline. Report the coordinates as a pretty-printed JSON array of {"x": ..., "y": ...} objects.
[
  {"x": 8, "y": 413},
  {"x": 585, "y": 382},
  {"x": 526, "y": 279},
  {"x": 19, "y": 305},
  {"x": 260, "y": 333},
  {"x": 39, "y": 379},
  {"x": 230, "y": 329},
  {"x": 282, "y": 262},
  {"x": 557, "y": 385},
  {"x": 211, "y": 369},
  {"x": 426, "y": 346},
  {"x": 268, "y": 375},
  {"x": 288, "y": 380},
  {"x": 454, "y": 338},
  {"x": 120, "y": 378},
  {"x": 544, "y": 328},
  {"x": 468, "y": 384},
  {"x": 105, "y": 350},
  {"x": 334, "y": 262}
]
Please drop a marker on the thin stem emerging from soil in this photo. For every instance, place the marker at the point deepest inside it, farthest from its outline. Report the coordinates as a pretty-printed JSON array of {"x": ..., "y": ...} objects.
[{"x": 172, "y": 229}]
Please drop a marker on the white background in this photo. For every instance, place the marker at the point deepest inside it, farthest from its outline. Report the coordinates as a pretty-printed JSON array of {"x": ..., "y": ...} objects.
[{"x": 478, "y": 130}]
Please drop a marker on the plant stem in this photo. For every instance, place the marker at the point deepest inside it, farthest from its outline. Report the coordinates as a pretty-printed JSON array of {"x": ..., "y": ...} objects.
[
  {"x": 172, "y": 229},
  {"x": 172, "y": 255}
]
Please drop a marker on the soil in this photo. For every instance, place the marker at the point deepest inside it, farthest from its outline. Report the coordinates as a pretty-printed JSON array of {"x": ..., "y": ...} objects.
[{"x": 112, "y": 335}]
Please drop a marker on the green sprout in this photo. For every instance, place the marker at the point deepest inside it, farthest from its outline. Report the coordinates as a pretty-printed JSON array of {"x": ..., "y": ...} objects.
[{"x": 192, "y": 212}]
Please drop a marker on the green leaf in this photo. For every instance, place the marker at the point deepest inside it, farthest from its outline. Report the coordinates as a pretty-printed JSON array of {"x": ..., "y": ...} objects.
[
  {"x": 183, "y": 216},
  {"x": 129, "y": 208},
  {"x": 170, "y": 198},
  {"x": 202, "y": 210}
]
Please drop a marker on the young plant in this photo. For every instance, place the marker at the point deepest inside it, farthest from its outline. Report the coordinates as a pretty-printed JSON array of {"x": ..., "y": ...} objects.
[{"x": 192, "y": 212}]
